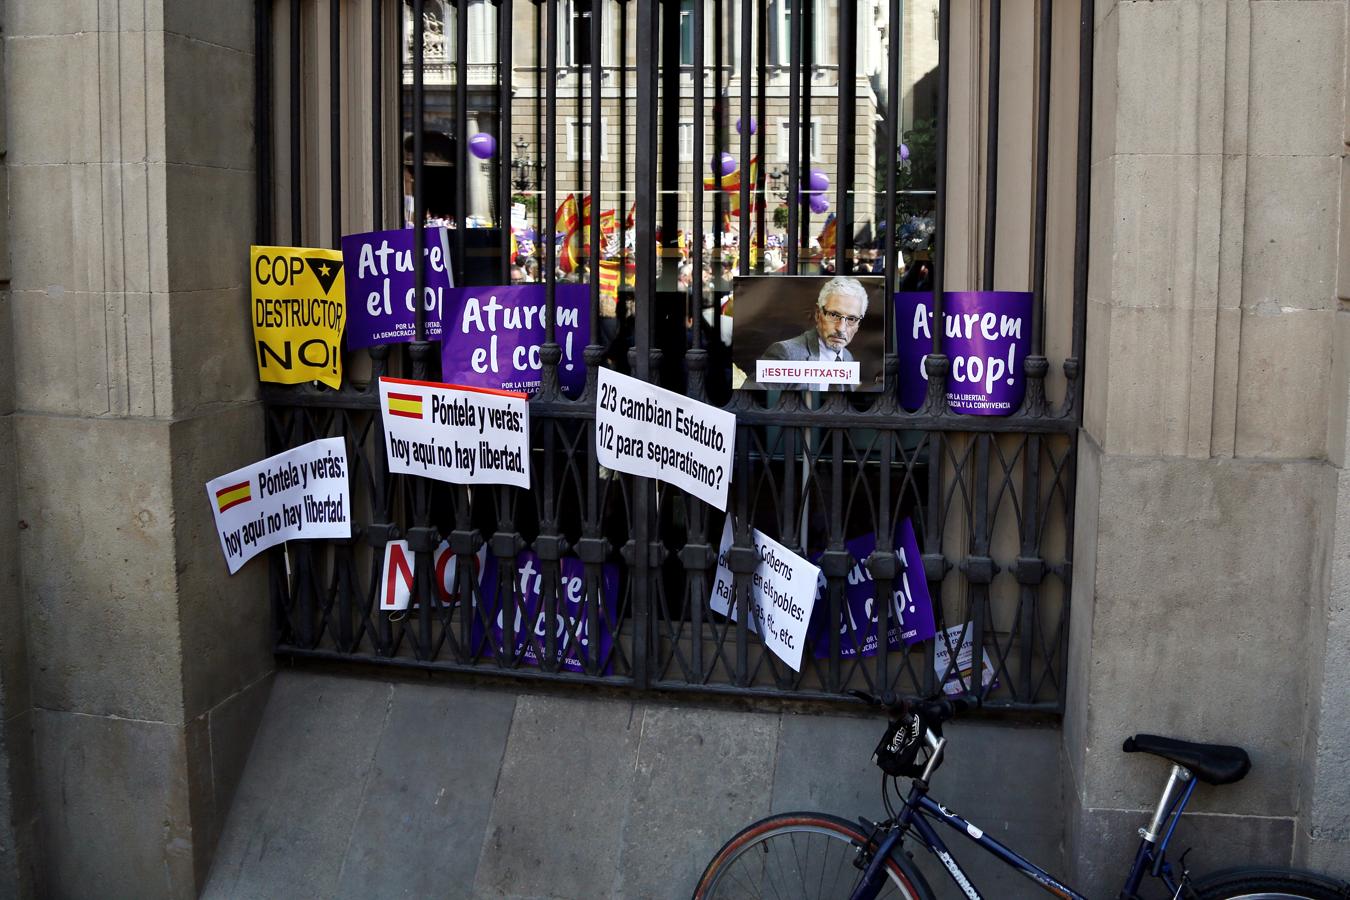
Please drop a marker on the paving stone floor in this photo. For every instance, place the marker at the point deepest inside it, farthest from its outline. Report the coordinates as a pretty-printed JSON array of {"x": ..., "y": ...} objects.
[{"x": 357, "y": 787}]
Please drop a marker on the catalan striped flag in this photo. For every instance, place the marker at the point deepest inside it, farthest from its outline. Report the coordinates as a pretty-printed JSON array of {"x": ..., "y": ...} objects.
[
  {"x": 610, "y": 274},
  {"x": 409, "y": 406},
  {"x": 233, "y": 495}
]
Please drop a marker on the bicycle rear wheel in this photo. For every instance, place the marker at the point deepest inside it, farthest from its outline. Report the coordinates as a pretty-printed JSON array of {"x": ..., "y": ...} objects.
[
  {"x": 1269, "y": 884},
  {"x": 802, "y": 855}
]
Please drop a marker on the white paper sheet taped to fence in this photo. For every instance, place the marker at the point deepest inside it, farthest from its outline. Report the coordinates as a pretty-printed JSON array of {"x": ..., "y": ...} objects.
[
  {"x": 299, "y": 494},
  {"x": 782, "y": 595},
  {"x": 649, "y": 431},
  {"x": 457, "y": 434}
]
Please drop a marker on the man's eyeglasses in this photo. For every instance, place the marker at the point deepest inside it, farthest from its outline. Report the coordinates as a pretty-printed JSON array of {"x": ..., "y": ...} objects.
[{"x": 851, "y": 321}]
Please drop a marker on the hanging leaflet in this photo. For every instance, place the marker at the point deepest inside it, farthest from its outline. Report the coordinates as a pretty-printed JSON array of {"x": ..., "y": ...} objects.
[
  {"x": 782, "y": 594},
  {"x": 649, "y": 431},
  {"x": 462, "y": 435},
  {"x": 494, "y": 335},
  {"x": 299, "y": 494},
  {"x": 382, "y": 285},
  {"x": 299, "y": 310},
  {"x": 960, "y": 679}
]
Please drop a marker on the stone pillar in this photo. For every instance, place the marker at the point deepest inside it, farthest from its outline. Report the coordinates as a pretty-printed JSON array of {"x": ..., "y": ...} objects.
[
  {"x": 1206, "y": 505},
  {"x": 1323, "y": 839},
  {"x": 131, "y": 186},
  {"x": 17, "y": 822}
]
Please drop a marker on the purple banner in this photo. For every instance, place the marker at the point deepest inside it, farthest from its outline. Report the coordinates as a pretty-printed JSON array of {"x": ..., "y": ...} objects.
[
  {"x": 911, "y": 607},
  {"x": 493, "y": 335},
  {"x": 530, "y": 621},
  {"x": 986, "y": 337},
  {"x": 380, "y": 286}
]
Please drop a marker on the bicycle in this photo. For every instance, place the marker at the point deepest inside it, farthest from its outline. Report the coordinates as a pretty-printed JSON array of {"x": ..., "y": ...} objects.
[{"x": 819, "y": 855}]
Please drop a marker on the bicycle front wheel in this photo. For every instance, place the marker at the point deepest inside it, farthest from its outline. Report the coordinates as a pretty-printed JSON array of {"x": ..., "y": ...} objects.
[
  {"x": 802, "y": 855},
  {"x": 1269, "y": 884}
]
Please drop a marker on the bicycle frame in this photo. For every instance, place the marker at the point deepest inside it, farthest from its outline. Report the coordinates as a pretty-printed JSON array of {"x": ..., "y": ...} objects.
[{"x": 1150, "y": 859}]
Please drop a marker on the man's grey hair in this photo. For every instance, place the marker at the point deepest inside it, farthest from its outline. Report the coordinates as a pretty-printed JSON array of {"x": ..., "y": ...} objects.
[{"x": 847, "y": 287}]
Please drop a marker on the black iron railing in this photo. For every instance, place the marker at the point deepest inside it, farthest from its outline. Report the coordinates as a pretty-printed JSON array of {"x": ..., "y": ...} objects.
[{"x": 991, "y": 498}]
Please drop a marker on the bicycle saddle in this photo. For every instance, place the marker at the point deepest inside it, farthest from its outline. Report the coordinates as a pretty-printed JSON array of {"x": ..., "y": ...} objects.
[{"x": 1211, "y": 763}]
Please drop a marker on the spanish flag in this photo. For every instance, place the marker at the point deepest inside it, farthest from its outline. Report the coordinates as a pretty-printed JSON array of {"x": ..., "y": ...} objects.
[
  {"x": 409, "y": 406},
  {"x": 567, "y": 222},
  {"x": 731, "y": 182},
  {"x": 609, "y": 278},
  {"x": 232, "y": 496}
]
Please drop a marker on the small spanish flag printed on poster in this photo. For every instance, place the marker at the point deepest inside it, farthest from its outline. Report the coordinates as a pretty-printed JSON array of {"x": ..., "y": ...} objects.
[
  {"x": 232, "y": 495},
  {"x": 409, "y": 406}
]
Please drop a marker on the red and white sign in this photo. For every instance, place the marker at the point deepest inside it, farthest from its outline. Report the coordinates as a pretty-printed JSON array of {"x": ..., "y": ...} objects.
[{"x": 396, "y": 577}]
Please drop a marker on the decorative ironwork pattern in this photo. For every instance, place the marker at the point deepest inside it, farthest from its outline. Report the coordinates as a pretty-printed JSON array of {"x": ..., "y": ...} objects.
[{"x": 991, "y": 498}]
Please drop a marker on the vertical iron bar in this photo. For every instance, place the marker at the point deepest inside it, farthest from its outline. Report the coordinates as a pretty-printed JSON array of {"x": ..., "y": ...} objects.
[
  {"x": 505, "y": 149},
  {"x": 645, "y": 190},
  {"x": 461, "y": 139},
  {"x": 597, "y": 148},
  {"x": 418, "y": 130},
  {"x": 720, "y": 100},
  {"x": 262, "y": 114},
  {"x": 807, "y": 49},
  {"x": 297, "y": 232},
  {"x": 549, "y": 161},
  {"x": 979, "y": 545},
  {"x": 794, "y": 200},
  {"x": 848, "y": 113},
  {"x": 761, "y": 112},
  {"x": 335, "y": 117},
  {"x": 376, "y": 111},
  {"x": 541, "y": 210},
  {"x": 696, "y": 239},
  {"x": 421, "y": 348},
  {"x": 1082, "y": 188},
  {"x": 668, "y": 50},
  {"x": 940, "y": 207},
  {"x": 580, "y": 186},
  {"x": 1029, "y": 590},
  {"x": 747, "y": 197},
  {"x": 622, "y": 209},
  {"x": 991, "y": 144},
  {"x": 891, "y": 152},
  {"x": 1042, "y": 177}
]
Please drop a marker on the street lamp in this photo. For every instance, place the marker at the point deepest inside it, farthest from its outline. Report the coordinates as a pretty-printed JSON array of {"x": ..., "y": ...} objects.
[{"x": 521, "y": 166}]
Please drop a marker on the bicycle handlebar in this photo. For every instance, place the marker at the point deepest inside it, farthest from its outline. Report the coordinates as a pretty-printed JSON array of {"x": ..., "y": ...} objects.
[{"x": 933, "y": 711}]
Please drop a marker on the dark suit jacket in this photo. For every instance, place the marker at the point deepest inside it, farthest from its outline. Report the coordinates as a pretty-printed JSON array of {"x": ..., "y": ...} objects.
[{"x": 802, "y": 348}]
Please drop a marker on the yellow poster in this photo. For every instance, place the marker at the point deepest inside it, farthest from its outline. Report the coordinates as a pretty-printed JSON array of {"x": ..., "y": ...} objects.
[{"x": 299, "y": 311}]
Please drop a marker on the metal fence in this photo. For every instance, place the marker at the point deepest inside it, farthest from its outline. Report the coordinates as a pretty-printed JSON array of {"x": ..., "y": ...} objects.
[{"x": 991, "y": 498}]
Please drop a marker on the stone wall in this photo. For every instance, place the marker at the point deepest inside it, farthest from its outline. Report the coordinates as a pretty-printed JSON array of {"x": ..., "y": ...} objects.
[
  {"x": 17, "y": 813},
  {"x": 131, "y": 185},
  {"x": 1207, "y": 521}
]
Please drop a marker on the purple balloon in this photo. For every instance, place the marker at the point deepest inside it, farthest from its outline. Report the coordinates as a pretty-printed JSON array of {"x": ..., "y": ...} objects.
[
  {"x": 819, "y": 204},
  {"x": 818, "y": 182},
  {"x": 483, "y": 145},
  {"x": 725, "y": 164},
  {"x": 904, "y": 152},
  {"x": 754, "y": 125}
]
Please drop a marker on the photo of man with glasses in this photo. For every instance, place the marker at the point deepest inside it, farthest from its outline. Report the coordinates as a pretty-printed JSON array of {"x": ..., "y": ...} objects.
[{"x": 839, "y": 310}]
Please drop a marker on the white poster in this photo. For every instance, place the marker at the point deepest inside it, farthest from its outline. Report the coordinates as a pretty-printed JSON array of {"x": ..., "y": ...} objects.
[
  {"x": 649, "y": 431},
  {"x": 396, "y": 577},
  {"x": 782, "y": 595},
  {"x": 961, "y": 679},
  {"x": 462, "y": 435},
  {"x": 299, "y": 494}
]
